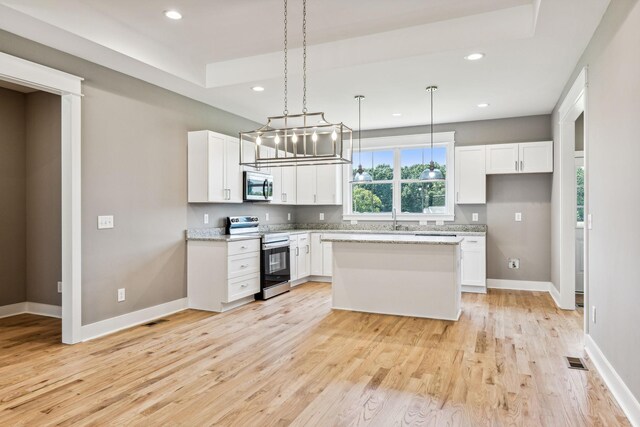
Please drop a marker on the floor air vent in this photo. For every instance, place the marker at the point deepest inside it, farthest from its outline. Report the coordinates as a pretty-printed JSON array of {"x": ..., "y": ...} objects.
[
  {"x": 156, "y": 322},
  {"x": 576, "y": 363}
]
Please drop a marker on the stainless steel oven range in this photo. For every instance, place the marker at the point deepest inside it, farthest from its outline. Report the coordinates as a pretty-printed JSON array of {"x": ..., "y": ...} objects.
[{"x": 275, "y": 271}]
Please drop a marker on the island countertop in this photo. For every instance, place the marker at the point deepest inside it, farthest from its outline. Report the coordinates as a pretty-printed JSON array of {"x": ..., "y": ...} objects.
[{"x": 392, "y": 239}]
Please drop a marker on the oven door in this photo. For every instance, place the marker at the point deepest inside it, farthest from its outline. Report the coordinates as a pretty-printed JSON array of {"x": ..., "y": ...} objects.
[
  {"x": 275, "y": 267},
  {"x": 258, "y": 187}
]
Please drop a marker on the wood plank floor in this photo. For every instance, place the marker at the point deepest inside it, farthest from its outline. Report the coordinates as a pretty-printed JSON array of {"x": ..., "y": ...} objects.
[{"x": 293, "y": 361}]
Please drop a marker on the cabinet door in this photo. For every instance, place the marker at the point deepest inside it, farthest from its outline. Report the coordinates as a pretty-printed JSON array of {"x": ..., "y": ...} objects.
[
  {"x": 329, "y": 185},
  {"x": 293, "y": 258},
  {"x": 473, "y": 261},
  {"x": 471, "y": 178},
  {"x": 304, "y": 257},
  {"x": 289, "y": 185},
  {"x": 536, "y": 157},
  {"x": 216, "y": 168},
  {"x": 306, "y": 185},
  {"x": 316, "y": 254},
  {"x": 233, "y": 173},
  {"x": 502, "y": 158},
  {"x": 327, "y": 259},
  {"x": 278, "y": 191}
]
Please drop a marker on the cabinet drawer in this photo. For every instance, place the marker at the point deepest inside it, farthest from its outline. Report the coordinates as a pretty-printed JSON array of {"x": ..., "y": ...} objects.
[
  {"x": 473, "y": 242},
  {"x": 243, "y": 247},
  {"x": 243, "y": 287},
  {"x": 243, "y": 265}
]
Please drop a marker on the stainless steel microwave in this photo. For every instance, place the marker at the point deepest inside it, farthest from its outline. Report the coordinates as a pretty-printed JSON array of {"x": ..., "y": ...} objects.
[{"x": 258, "y": 186}]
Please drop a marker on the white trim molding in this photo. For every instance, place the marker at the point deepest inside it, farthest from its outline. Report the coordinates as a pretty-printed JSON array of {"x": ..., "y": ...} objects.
[
  {"x": 13, "y": 309},
  {"x": 128, "y": 320},
  {"x": 31, "y": 308},
  {"x": 519, "y": 285},
  {"x": 618, "y": 388}
]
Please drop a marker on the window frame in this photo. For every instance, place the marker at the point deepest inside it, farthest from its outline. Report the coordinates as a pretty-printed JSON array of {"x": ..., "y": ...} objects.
[{"x": 396, "y": 144}]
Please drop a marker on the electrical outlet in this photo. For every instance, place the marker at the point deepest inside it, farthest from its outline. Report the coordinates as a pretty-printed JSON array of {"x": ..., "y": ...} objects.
[
  {"x": 518, "y": 216},
  {"x": 121, "y": 295},
  {"x": 423, "y": 222},
  {"x": 59, "y": 287},
  {"x": 105, "y": 222},
  {"x": 206, "y": 218},
  {"x": 266, "y": 216},
  {"x": 593, "y": 314},
  {"x": 289, "y": 216},
  {"x": 321, "y": 216},
  {"x": 354, "y": 222},
  {"x": 474, "y": 217},
  {"x": 514, "y": 262},
  {"x": 439, "y": 222}
]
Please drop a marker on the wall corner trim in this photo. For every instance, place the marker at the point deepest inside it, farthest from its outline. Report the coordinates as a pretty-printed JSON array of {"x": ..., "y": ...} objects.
[
  {"x": 118, "y": 323},
  {"x": 619, "y": 389}
]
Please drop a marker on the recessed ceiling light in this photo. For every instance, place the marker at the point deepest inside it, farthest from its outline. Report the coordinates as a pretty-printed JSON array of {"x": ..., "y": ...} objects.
[
  {"x": 474, "y": 56},
  {"x": 396, "y": 114},
  {"x": 257, "y": 89},
  {"x": 483, "y": 105},
  {"x": 173, "y": 14}
]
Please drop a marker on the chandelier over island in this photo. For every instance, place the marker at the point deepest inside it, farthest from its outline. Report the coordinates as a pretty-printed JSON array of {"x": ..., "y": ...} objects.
[{"x": 298, "y": 139}]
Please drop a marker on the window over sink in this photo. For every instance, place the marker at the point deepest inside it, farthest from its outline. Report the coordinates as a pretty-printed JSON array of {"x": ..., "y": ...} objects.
[{"x": 395, "y": 164}]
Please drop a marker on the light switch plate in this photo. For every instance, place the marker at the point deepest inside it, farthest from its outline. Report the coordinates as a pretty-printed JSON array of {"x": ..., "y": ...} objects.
[
  {"x": 321, "y": 216},
  {"x": 121, "y": 295},
  {"x": 206, "y": 218},
  {"x": 289, "y": 216},
  {"x": 474, "y": 217},
  {"x": 105, "y": 222},
  {"x": 59, "y": 287},
  {"x": 518, "y": 216}
]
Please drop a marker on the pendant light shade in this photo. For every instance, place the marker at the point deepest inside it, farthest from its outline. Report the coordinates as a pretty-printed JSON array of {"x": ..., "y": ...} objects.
[
  {"x": 361, "y": 175},
  {"x": 431, "y": 174}
]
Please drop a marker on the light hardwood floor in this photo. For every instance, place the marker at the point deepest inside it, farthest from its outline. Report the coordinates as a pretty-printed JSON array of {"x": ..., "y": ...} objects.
[{"x": 293, "y": 361}]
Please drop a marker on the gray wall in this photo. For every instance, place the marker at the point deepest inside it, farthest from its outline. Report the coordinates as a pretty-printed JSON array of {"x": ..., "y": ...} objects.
[
  {"x": 43, "y": 206},
  {"x": 529, "y": 240},
  {"x": 613, "y": 188},
  {"x": 12, "y": 197},
  {"x": 134, "y": 166},
  {"x": 580, "y": 133}
]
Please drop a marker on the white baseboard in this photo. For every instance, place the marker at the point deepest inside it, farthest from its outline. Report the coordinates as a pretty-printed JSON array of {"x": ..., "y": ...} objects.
[
  {"x": 13, "y": 309},
  {"x": 118, "y": 323},
  {"x": 324, "y": 279},
  {"x": 519, "y": 285},
  {"x": 619, "y": 389},
  {"x": 472, "y": 289},
  {"x": 31, "y": 308},
  {"x": 554, "y": 294}
]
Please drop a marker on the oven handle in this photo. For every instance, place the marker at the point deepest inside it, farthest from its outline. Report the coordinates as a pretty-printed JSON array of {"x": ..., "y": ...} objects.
[{"x": 275, "y": 245}]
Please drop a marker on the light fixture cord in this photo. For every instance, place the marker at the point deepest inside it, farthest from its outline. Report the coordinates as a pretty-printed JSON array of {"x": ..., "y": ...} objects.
[
  {"x": 359, "y": 133},
  {"x": 286, "y": 109},
  {"x": 431, "y": 164},
  {"x": 304, "y": 56}
]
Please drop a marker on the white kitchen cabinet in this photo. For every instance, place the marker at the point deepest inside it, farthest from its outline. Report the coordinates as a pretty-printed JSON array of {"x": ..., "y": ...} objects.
[
  {"x": 536, "y": 157},
  {"x": 222, "y": 275},
  {"x": 473, "y": 264},
  {"x": 319, "y": 185},
  {"x": 471, "y": 177},
  {"x": 284, "y": 185},
  {"x": 294, "y": 253},
  {"x": 214, "y": 173},
  {"x": 527, "y": 157},
  {"x": 304, "y": 255},
  {"x": 317, "y": 260}
]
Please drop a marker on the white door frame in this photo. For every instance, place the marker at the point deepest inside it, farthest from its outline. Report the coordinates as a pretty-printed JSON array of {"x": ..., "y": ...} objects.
[
  {"x": 26, "y": 73},
  {"x": 574, "y": 104}
]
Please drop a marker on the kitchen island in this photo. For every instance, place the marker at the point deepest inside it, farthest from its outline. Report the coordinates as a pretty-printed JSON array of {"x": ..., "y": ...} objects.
[{"x": 403, "y": 275}]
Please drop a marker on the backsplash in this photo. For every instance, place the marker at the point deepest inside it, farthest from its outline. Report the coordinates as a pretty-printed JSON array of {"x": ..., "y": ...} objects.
[{"x": 278, "y": 214}]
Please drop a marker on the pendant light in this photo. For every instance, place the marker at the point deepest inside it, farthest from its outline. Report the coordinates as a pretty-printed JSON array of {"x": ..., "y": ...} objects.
[
  {"x": 298, "y": 139},
  {"x": 361, "y": 175},
  {"x": 431, "y": 173}
]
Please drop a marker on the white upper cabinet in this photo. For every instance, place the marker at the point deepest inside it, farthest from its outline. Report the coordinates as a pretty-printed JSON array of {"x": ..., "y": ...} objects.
[
  {"x": 528, "y": 157},
  {"x": 214, "y": 173},
  {"x": 284, "y": 185},
  {"x": 470, "y": 179},
  {"x": 319, "y": 185},
  {"x": 536, "y": 157},
  {"x": 501, "y": 158}
]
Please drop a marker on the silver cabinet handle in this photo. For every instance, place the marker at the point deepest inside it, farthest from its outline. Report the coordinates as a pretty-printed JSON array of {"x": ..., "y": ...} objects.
[
  {"x": 516, "y": 165},
  {"x": 315, "y": 198},
  {"x": 521, "y": 165},
  {"x": 297, "y": 251},
  {"x": 244, "y": 266},
  {"x": 307, "y": 248},
  {"x": 244, "y": 285},
  {"x": 471, "y": 241},
  {"x": 457, "y": 196},
  {"x": 244, "y": 247}
]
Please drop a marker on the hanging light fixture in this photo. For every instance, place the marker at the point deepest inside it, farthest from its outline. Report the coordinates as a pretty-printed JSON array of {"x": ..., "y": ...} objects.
[
  {"x": 361, "y": 175},
  {"x": 299, "y": 139},
  {"x": 431, "y": 173}
]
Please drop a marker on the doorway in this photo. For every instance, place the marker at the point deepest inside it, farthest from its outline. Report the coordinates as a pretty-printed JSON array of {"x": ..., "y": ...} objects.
[
  {"x": 14, "y": 70},
  {"x": 580, "y": 213}
]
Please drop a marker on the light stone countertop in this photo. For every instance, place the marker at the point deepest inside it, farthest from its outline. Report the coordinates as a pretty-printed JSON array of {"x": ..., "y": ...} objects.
[{"x": 393, "y": 239}]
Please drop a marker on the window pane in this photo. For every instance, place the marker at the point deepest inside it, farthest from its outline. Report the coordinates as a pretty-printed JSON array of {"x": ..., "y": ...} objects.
[
  {"x": 411, "y": 160},
  {"x": 378, "y": 163},
  {"x": 372, "y": 198},
  {"x": 424, "y": 197}
]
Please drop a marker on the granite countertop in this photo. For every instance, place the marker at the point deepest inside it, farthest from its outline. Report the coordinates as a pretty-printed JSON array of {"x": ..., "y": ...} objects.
[
  {"x": 216, "y": 235},
  {"x": 393, "y": 239}
]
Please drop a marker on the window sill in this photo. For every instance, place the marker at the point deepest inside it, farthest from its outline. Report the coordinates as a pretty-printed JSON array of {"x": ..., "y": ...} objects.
[{"x": 399, "y": 217}]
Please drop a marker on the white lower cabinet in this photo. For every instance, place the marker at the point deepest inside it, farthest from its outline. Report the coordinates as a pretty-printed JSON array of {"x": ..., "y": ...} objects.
[
  {"x": 321, "y": 256},
  {"x": 222, "y": 275},
  {"x": 473, "y": 264},
  {"x": 300, "y": 260}
]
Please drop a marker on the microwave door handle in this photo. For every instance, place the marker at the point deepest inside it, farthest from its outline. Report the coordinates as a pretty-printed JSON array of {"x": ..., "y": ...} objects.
[{"x": 264, "y": 189}]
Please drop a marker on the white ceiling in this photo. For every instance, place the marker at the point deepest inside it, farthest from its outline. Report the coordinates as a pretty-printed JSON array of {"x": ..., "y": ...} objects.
[{"x": 386, "y": 50}]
